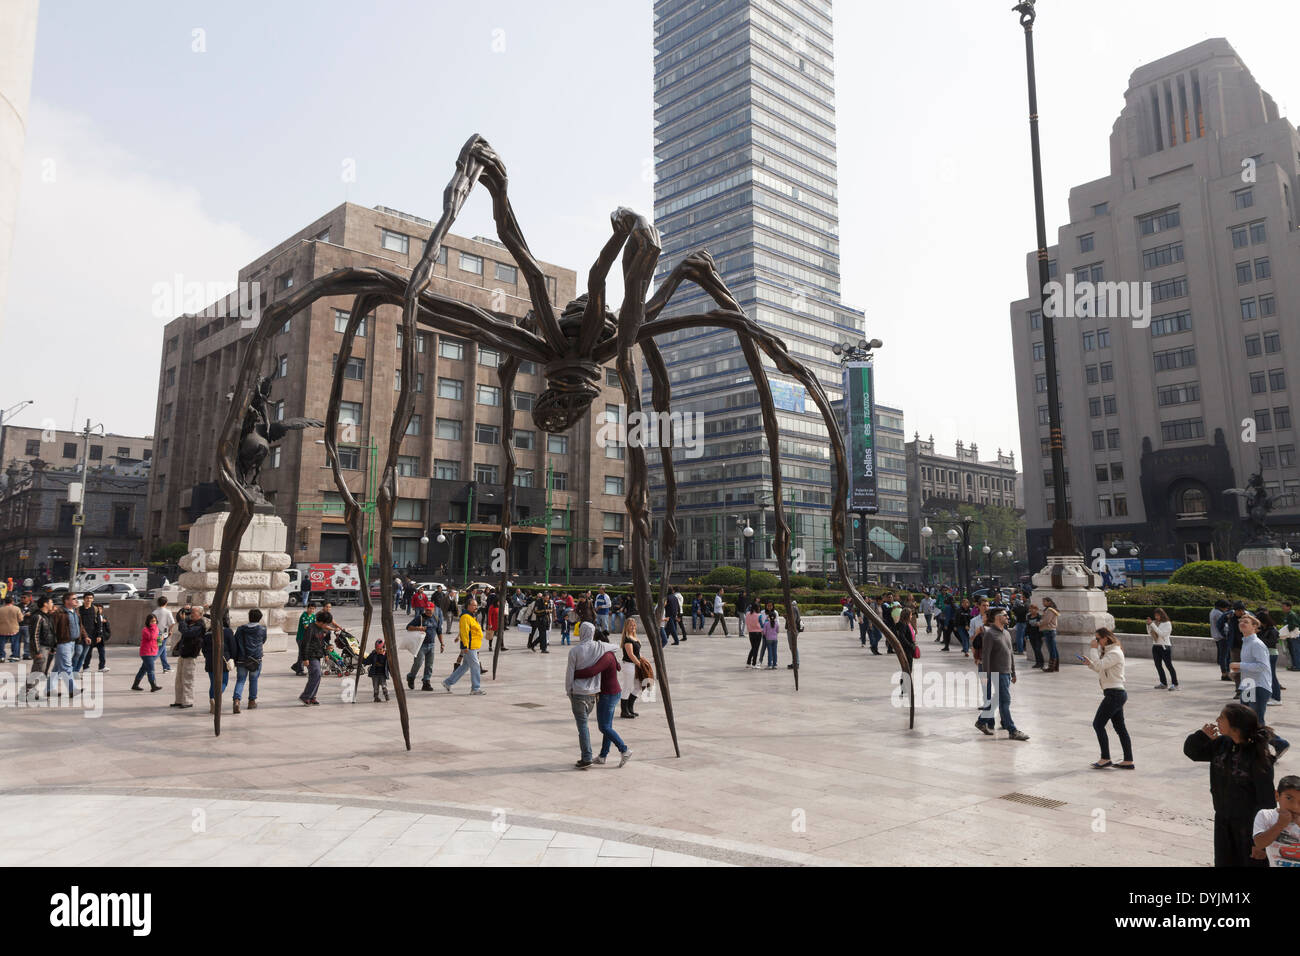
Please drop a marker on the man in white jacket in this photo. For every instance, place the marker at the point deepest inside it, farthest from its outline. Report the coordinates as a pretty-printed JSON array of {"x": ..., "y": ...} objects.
[{"x": 583, "y": 692}]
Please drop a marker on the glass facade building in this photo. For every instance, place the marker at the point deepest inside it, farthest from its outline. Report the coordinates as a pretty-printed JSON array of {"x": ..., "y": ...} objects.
[{"x": 745, "y": 168}]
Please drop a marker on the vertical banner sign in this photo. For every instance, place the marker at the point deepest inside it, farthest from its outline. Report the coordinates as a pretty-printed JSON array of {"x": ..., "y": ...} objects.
[{"x": 859, "y": 400}]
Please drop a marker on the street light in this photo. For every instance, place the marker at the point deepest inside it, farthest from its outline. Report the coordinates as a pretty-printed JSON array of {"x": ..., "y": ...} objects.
[{"x": 926, "y": 531}]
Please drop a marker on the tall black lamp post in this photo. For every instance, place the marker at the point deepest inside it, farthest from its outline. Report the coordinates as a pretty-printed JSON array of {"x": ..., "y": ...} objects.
[{"x": 1062, "y": 533}]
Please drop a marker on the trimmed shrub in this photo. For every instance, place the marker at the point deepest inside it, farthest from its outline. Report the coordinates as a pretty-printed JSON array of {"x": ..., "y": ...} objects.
[
  {"x": 807, "y": 581},
  {"x": 1227, "y": 577},
  {"x": 1284, "y": 581},
  {"x": 1181, "y": 629},
  {"x": 1159, "y": 595},
  {"x": 725, "y": 575}
]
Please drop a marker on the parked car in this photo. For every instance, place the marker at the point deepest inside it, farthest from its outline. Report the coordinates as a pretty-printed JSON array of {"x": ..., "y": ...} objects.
[{"x": 115, "y": 591}]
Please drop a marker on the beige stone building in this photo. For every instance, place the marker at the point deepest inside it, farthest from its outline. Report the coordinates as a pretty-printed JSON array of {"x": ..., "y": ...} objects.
[
  {"x": 1197, "y": 215},
  {"x": 451, "y": 463},
  {"x": 58, "y": 448}
]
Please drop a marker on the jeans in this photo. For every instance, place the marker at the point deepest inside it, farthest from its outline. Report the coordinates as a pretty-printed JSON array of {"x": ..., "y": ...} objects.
[
  {"x": 605, "y": 721},
  {"x": 1111, "y": 710},
  {"x": 146, "y": 670},
  {"x": 225, "y": 679},
  {"x": 1035, "y": 640},
  {"x": 863, "y": 629},
  {"x": 1277, "y": 688},
  {"x": 61, "y": 668},
  {"x": 719, "y": 619},
  {"x": 243, "y": 674},
  {"x": 425, "y": 654},
  {"x": 1049, "y": 640},
  {"x": 79, "y": 651},
  {"x": 1164, "y": 657},
  {"x": 582, "y": 705},
  {"x": 602, "y": 621},
  {"x": 1260, "y": 706},
  {"x": 670, "y": 630},
  {"x": 771, "y": 653},
  {"x": 15, "y": 642},
  {"x": 1018, "y": 642},
  {"x": 313, "y": 681},
  {"x": 468, "y": 663},
  {"x": 162, "y": 653},
  {"x": 90, "y": 653},
  {"x": 697, "y": 620},
  {"x": 1004, "y": 702},
  {"x": 929, "y": 624},
  {"x": 755, "y": 645},
  {"x": 1224, "y": 649}
]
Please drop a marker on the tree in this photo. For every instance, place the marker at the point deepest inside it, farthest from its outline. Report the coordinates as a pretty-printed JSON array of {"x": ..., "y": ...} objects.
[{"x": 170, "y": 553}]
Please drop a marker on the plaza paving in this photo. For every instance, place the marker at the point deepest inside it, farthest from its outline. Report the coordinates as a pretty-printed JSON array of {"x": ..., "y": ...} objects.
[{"x": 830, "y": 774}]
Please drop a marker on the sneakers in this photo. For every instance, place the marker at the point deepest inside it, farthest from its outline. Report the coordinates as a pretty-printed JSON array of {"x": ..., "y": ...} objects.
[
  {"x": 1279, "y": 751},
  {"x": 1173, "y": 687},
  {"x": 627, "y": 755},
  {"x": 582, "y": 764},
  {"x": 445, "y": 687},
  {"x": 425, "y": 686},
  {"x": 478, "y": 693},
  {"x": 984, "y": 728},
  {"x": 599, "y": 760},
  {"x": 1017, "y": 735},
  {"x": 1161, "y": 687}
]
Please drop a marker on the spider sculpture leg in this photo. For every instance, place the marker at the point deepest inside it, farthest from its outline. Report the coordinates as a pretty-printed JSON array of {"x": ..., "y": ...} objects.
[
  {"x": 639, "y": 258},
  {"x": 506, "y": 375},
  {"x": 772, "y": 345},
  {"x": 362, "y": 306},
  {"x": 661, "y": 397}
]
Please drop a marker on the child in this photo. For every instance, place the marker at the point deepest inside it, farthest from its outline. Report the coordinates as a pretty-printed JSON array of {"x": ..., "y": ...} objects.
[
  {"x": 1277, "y": 832},
  {"x": 378, "y": 661},
  {"x": 771, "y": 625}
]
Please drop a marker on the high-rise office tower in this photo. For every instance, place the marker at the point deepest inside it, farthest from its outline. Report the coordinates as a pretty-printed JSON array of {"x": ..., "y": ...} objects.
[
  {"x": 745, "y": 168},
  {"x": 1162, "y": 412}
]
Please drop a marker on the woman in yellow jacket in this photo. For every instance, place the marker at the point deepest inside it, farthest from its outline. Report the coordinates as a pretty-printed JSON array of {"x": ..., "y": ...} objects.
[{"x": 471, "y": 639}]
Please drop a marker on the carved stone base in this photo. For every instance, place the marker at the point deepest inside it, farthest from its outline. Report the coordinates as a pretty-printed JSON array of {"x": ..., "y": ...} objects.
[
  {"x": 259, "y": 580},
  {"x": 1263, "y": 557},
  {"x": 1073, "y": 587}
]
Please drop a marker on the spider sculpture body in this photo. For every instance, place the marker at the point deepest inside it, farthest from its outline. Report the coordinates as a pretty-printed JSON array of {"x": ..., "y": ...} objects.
[{"x": 571, "y": 350}]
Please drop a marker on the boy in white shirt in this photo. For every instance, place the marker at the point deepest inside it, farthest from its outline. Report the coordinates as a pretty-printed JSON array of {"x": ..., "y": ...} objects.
[{"x": 1277, "y": 832}]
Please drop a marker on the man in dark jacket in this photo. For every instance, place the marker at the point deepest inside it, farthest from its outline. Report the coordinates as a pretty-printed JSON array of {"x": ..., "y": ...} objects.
[
  {"x": 93, "y": 627},
  {"x": 67, "y": 637},
  {"x": 247, "y": 654},
  {"x": 672, "y": 617},
  {"x": 315, "y": 645},
  {"x": 191, "y": 646}
]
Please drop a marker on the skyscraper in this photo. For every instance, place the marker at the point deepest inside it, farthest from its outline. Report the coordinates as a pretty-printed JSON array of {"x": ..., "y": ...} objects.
[
  {"x": 1163, "y": 412},
  {"x": 745, "y": 168}
]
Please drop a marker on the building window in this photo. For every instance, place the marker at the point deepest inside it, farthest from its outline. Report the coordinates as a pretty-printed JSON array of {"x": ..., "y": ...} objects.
[
  {"x": 524, "y": 478},
  {"x": 614, "y": 451},
  {"x": 447, "y": 428},
  {"x": 167, "y": 412},
  {"x": 525, "y": 440},
  {"x": 611, "y": 377},
  {"x": 487, "y": 434},
  {"x": 355, "y": 369},
  {"x": 1094, "y": 408},
  {"x": 1121, "y": 506},
  {"x": 1042, "y": 415},
  {"x": 1263, "y": 268},
  {"x": 1164, "y": 255},
  {"x": 1158, "y": 221},
  {"x": 1171, "y": 323},
  {"x": 1089, "y": 341},
  {"x": 1112, "y": 438},
  {"x": 1090, "y": 374},
  {"x": 1252, "y": 346},
  {"x": 614, "y": 484},
  {"x": 1103, "y": 507},
  {"x": 612, "y": 521},
  {"x": 408, "y": 466},
  {"x": 451, "y": 348},
  {"x": 524, "y": 401},
  {"x": 452, "y": 388},
  {"x": 1272, "y": 343},
  {"x": 445, "y": 470},
  {"x": 557, "y": 444},
  {"x": 414, "y": 425},
  {"x": 1175, "y": 358},
  {"x": 1243, "y": 198},
  {"x": 341, "y": 323},
  {"x": 469, "y": 263},
  {"x": 1258, "y": 383},
  {"x": 1103, "y": 338},
  {"x": 349, "y": 457},
  {"x": 1282, "y": 417},
  {"x": 1267, "y": 306},
  {"x": 489, "y": 395},
  {"x": 397, "y": 380},
  {"x": 1193, "y": 502},
  {"x": 1169, "y": 289},
  {"x": 1101, "y": 209},
  {"x": 1184, "y": 429},
  {"x": 1107, "y": 371},
  {"x": 1277, "y": 379},
  {"x": 1098, "y": 441},
  {"x": 1108, "y": 403},
  {"x": 1258, "y": 233},
  {"x": 1244, "y": 273},
  {"x": 275, "y": 457},
  {"x": 505, "y": 273},
  {"x": 171, "y": 377},
  {"x": 33, "y": 446},
  {"x": 1286, "y": 455},
  {"x": 1039, "y": 352},
  {"x": 1267, "y": 457},
  {"x": 1116, "y": 471},
  {"x": 349, "y": 413},
  {"x": 1086, "y": 243},
  {"x": 527, "y": 368},
  {"x": 395, "y": 241},
  {"x": 281, "y": 367},
  {"x": 163, "y": 447},
  {"x": 1248, "y": 309},
  {"x": 560, "y": 481},
  {"x": 284, "y": 282},
  {"x": 488, "y": 357}
]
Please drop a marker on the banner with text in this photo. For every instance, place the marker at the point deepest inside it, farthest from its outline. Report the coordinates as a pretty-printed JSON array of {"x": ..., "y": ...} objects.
[{"x": 860, "y": 401}]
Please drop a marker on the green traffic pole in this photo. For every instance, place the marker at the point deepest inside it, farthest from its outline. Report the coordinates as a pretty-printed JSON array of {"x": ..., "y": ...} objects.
[{"x": 469, "y": 510}]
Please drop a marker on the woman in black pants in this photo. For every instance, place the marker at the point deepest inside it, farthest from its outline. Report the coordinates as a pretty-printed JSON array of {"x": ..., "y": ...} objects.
[
  {"x": 1033, "y": 636},
  {"x": 1106, "y": 657},
  {"x": 1237, "y": 749},
  {"x": 1161, "y": 630}
]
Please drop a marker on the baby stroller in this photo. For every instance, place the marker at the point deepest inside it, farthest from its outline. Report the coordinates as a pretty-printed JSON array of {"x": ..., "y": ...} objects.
[{"x": 341, "y": 661}]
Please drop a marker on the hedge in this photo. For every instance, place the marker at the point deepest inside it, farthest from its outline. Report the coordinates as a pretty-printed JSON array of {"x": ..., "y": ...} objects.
[
  {"x": 1158, "y": 595},
  {"x": 1283, "y": 581},
  {"x": 1181, "y": 629},
  {"x": 1223, "y": 576}
]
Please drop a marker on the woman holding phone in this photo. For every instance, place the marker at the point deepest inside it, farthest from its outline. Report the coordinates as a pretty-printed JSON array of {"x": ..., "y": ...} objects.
[
  {"x": 1106, "y": 657},
  {"x": 1161, "y": 630}
]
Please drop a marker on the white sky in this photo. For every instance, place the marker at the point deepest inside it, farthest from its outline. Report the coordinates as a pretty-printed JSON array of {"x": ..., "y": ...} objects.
[{"x": 147, "y": 159}]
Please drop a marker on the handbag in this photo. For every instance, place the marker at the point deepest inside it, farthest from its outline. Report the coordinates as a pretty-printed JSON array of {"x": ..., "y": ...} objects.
[
  {"x": 251, "y": 664},
  {"x": 916, "y": 651},
  {"x": 229, "y": 664}
]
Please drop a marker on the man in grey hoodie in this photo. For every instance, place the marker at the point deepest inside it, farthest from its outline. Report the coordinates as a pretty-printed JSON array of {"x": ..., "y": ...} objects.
[{"x": 583, "y": 692}]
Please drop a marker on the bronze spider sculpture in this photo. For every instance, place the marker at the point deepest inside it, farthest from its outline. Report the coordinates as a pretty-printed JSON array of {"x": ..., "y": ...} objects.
[{"x": 571, "y": 350}]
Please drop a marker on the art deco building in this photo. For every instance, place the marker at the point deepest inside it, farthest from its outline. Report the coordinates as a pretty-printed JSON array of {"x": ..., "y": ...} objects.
[
  {"x": 1158, "y": 419},
  {"x": 451, "y": 463}
]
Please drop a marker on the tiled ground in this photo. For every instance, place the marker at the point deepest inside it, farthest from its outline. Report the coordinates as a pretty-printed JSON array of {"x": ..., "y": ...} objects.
[{"x": 830, "y": 774}]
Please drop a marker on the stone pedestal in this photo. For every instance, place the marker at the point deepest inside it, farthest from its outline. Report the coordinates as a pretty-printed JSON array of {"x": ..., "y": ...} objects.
[
  {"x": 1075, "y": 589},
  {"x": 259, "y": 580},
  {"x": 1263, "y": 556}
]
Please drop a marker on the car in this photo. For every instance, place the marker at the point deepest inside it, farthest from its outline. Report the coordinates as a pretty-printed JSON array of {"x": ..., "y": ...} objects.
[{"x": 114, "y": 591}]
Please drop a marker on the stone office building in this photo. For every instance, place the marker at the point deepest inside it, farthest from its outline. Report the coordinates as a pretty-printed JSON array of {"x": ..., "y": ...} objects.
[
  {"x": 451, "y": 464},
  {"x": 1160, "y": 417},
  {"x": 58, "y": 448}
]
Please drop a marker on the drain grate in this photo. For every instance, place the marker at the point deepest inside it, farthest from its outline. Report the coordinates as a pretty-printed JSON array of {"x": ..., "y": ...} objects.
[
  {"x": 1028, "y": 799},
  {"x": 529, "y": 705}
]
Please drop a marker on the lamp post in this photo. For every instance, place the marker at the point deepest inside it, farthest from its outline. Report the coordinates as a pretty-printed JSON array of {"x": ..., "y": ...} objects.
[
  {"x": 79, "y": 516},
  {"x": 952, "y": 535},
  {"x": 857, "y": 352},
  {"x": 1136, "y": 552},
  {"x": 987, "y": 550},
  {"x": 926, "y": 531}
]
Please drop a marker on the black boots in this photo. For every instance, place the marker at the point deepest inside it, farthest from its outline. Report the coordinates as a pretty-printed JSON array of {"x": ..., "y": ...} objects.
[
  {"x": 625, "y": 707},
  {"x": 426, "y": 686}
]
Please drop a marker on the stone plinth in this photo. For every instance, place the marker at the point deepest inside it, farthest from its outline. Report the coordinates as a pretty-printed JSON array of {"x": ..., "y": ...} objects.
[
  {"x": 1074, "y": 588},
  {"x": 259, "y": 580},
  {"x": 1264, "y": 556}
]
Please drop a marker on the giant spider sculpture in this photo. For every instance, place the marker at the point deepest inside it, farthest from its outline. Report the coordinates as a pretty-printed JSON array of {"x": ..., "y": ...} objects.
[{"x": 571, "y": 350}]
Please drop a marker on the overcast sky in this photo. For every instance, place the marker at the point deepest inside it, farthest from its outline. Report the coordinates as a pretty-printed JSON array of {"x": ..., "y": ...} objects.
[{"x": 154, "y": 150}]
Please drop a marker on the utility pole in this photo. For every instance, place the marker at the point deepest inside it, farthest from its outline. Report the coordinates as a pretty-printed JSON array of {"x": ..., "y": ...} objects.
[{"x": 79, "y": 516}]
